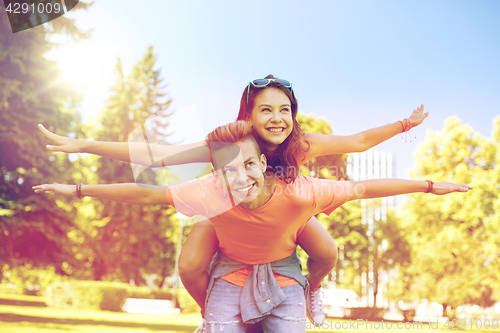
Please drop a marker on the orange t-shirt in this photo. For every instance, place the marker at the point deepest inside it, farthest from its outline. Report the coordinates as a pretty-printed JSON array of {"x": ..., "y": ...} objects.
[{"x": 265, "y": 234}]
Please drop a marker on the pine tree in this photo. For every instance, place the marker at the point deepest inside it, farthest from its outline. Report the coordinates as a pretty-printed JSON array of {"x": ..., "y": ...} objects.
[
  {"x": 129, "y": 242},
  {"x": 32, "y": 228}
]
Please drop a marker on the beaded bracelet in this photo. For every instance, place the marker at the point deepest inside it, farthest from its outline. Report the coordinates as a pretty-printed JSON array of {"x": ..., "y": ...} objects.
[
  {"x": 79, "y": 191},
  {"x": 430, "y": 186},
  {"x": 406, "y": 126}
]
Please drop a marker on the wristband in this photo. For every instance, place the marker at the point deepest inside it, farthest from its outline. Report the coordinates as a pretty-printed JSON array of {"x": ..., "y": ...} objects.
[
  {"x": 405, "y": 124},
  {"x": 430, "y": 186},
  {"x": 79, "y": 191},
  {"x": 405, "y": 127}
]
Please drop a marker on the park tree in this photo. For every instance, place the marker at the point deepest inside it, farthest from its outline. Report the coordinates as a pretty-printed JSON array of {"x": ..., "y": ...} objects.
[
  {"x": 357, "y": 250},
  {"x": 454, "y": 238},
  {"x": 388, "y": 248},
  {"x": 33, "y": 228},
  {"x": 345, "y": 227},
  {"x": 325, "y": 167},
  {"x": 492, "y": 223},
  {"x": 329, "y": 166},
  {"x": 123, "y": 241},
  {"x": 344, "y": 224},
  {"x": 384, "y": 250}
]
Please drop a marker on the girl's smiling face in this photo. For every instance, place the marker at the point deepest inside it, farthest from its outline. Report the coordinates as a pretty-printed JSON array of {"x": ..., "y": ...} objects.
[{"x": 272, "y": 117}]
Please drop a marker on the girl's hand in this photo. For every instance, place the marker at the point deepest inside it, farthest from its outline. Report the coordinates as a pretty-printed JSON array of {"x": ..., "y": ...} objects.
[
  {"x": 445, "y": 188},
  {"x": 64, "y": 144},
  {"x": 69, "y": 190},
  {"x": 418, "y": 116}
]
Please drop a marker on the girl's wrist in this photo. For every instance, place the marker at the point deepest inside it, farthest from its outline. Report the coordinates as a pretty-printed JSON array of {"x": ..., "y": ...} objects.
[
  {"x": 83, "y": 145},
  {"x": 405, "y": 124}
]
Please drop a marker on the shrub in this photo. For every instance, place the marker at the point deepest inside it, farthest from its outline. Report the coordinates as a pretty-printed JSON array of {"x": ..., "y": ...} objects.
[
  {"x": 88, "y": 295},
  {"x": 113, "y": 297},
  {"x": 186, "y": 303},
  {"x": 367, "y": 313},
  {"x": 148, "y": 293},
  {"x": 58, "y": 295},
  {"x": 10, "y": 289},
  {"x": 28, "y": 279},
  {"x": 162, "y": 294}
]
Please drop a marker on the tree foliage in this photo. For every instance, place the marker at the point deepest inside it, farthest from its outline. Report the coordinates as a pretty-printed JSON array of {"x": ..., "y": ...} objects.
[
  {"x": 357, "y": 250},
  {"x": 454, "y": 240},
  {"x": 87, "y": 238},
  {"x": 123, "y": 241},
  {"x": 33, "y": 228},
  {"x": 327, "y": 167}
]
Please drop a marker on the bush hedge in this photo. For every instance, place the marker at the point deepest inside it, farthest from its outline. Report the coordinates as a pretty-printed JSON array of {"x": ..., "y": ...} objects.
[
  {"x": 186, "y": 303},
  {"x": 10, "y": 289},
  {"x": 89, "y": 295},
  {"x": 100, "y": 295},
  {"x": 367, "y": 313},
  {"x": 148, "y": 293}
]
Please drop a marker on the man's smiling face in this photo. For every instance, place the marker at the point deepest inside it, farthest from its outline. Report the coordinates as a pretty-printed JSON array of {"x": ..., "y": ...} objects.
[{"x": 244, "y": 175}]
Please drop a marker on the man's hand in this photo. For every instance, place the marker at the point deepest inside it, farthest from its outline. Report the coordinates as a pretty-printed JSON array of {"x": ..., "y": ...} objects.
[
  {"x": 69, "y": 190},
  {"x": 445, "y": 188},
  {"x": 64, "y": 144}
]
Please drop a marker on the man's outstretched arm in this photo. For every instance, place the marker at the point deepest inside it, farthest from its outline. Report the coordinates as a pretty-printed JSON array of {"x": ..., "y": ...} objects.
[
  {"x": 377, "y": 188},
  {"x": 127, "y": 192}
]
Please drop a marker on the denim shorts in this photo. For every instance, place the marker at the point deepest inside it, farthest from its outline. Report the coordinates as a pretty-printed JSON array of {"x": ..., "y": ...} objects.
[{"x": 223, "y": 311}]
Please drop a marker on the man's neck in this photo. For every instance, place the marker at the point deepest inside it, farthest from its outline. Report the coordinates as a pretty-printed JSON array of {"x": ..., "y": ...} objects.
[{"x": 270, "y": 182}]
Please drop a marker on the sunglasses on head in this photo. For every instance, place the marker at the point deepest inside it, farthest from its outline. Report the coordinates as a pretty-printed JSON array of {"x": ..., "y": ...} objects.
[{"x": 259, "y": 83}]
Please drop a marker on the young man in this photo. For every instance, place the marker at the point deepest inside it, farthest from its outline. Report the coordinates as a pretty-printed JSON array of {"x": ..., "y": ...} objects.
[{"x": 256, "y": 275}]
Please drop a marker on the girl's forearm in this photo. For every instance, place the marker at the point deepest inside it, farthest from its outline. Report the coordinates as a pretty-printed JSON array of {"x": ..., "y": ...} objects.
[
  {"x": 148, "y": 154},
  {"x": 377, "y": 135},
  {"x": 374, "y": 136},
  {"x": 321, "y": 145},
  {"x": 115, "y": 150}
]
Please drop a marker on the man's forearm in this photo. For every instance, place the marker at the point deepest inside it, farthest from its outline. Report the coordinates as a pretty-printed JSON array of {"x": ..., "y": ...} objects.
[
  {"x": 377, "y": 188},
  {"x": 127, "y": 192}
]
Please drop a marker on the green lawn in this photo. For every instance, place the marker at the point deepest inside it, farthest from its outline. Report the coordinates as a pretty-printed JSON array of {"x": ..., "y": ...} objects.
[
  {"x": 37, "y": 319},
  {"x": 23, "y": 319},
  {"x": 22, "y": 300}
]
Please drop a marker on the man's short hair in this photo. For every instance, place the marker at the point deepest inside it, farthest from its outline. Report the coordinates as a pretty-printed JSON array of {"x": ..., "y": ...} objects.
[{"x": 226, "y": 137}]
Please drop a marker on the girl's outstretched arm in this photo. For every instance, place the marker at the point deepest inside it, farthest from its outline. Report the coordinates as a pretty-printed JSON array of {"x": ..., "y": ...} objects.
[
  {"x": 342, "y": 144},
  {"x": 132, "y": 152},
  {"x": 128, "y": 192},
  {"x": 377, "y": 188}
]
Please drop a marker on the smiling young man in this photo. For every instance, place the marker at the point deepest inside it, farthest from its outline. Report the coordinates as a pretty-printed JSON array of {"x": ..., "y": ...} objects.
[{"x": 256, "y": 274}]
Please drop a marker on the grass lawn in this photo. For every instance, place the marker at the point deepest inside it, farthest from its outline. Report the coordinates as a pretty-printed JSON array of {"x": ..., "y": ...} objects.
[
  {"x": 24, "y": 319},
  {"x": 22, "y": 300},
  {"x": 37, "y": 319}
]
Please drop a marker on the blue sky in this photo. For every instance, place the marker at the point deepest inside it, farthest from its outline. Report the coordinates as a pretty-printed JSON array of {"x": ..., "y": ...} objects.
[{"x": 358, "y": 64}]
